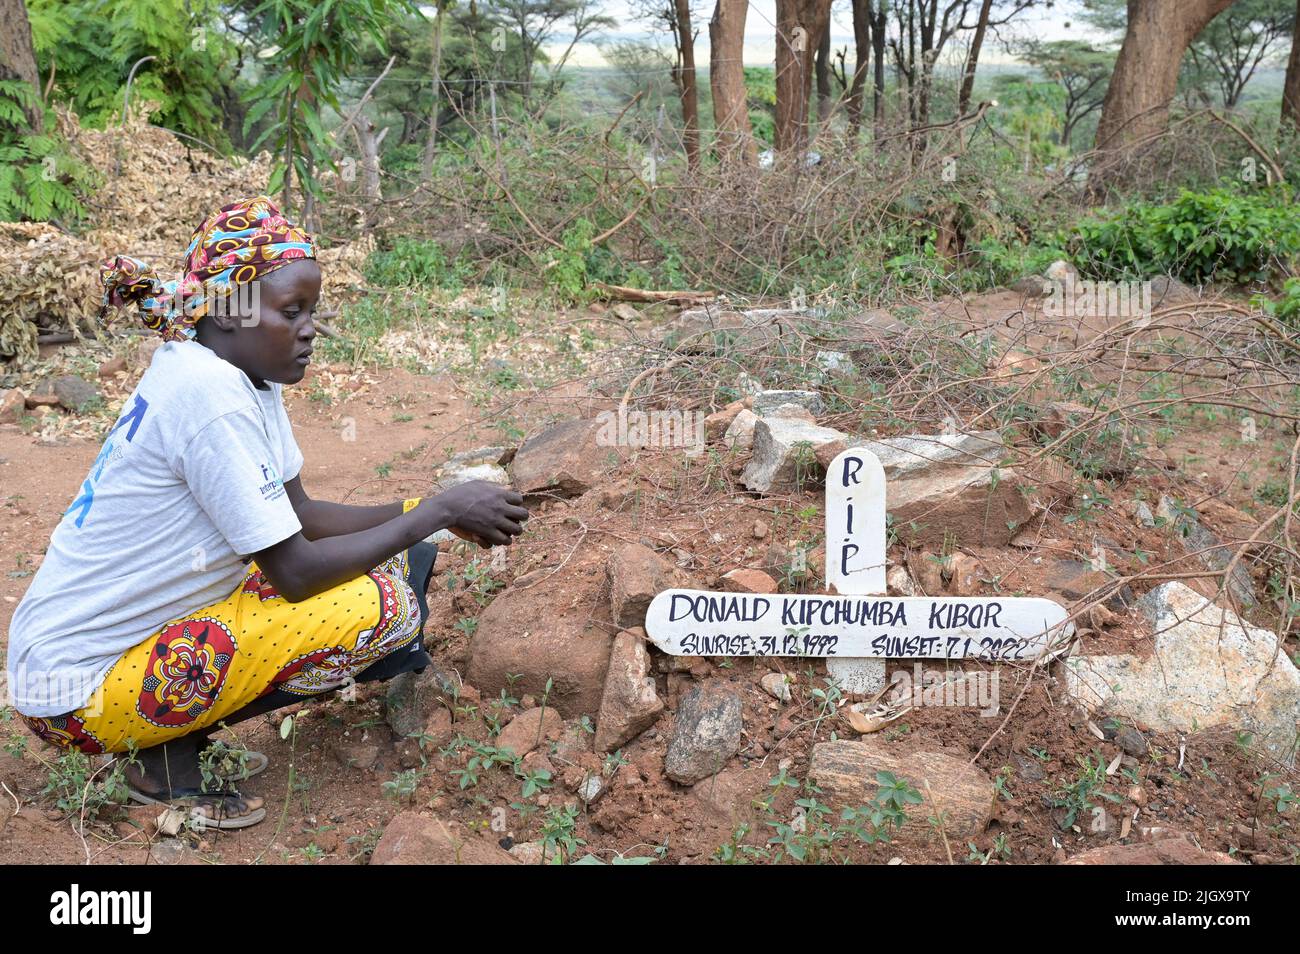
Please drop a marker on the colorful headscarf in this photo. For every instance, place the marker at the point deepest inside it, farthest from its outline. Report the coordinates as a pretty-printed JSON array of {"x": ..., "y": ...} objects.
[{"x": 235, "y": 246}]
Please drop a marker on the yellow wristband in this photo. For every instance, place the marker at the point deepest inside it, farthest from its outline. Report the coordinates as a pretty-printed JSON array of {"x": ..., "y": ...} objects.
[{"x": 410, "y": 504}]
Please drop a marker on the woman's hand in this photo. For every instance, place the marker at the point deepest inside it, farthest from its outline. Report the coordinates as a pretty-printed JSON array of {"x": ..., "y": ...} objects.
[{"x": 482, "y": 512}]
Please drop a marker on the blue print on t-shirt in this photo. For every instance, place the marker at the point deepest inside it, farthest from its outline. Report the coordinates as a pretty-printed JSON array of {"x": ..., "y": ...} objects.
[{"x": 133, "y": 417}]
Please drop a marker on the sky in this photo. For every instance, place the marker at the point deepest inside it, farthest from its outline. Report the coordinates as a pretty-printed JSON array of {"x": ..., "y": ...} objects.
[{"x": 1059, "y": 23}]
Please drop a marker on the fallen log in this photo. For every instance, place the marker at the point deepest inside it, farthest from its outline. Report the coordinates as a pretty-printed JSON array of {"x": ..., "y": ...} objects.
[{"x": 622, "y": 293}]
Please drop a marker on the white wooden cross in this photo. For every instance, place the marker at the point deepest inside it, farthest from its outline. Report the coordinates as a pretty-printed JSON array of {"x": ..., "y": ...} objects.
[{"x": 856, "y": 626}]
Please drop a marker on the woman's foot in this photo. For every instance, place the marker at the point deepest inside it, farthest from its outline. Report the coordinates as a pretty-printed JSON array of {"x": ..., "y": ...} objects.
[{"x": 171, "y": 772}]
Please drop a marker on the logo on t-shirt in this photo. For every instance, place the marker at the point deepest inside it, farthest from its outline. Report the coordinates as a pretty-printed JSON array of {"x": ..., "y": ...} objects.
[{"x": 273, "y": 488}]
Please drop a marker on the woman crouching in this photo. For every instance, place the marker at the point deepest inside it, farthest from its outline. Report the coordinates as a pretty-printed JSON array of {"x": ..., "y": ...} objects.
[{"x": 193, "y": 582}]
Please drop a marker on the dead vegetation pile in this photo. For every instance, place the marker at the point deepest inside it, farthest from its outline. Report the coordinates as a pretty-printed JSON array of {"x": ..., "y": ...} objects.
[{"x": 153, "y": 189}]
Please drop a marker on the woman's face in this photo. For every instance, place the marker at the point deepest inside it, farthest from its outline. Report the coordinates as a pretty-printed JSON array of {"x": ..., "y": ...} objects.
[{"x": 273, "y": 341}]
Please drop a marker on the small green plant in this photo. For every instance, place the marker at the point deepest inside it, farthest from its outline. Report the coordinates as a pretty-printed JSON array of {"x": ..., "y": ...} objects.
[
  {"x": 558, "y": 834},
  {"x": 79, "y": 789},
  {"x": 1076, "y": 797},
  {"x": 402, "y": 786}
]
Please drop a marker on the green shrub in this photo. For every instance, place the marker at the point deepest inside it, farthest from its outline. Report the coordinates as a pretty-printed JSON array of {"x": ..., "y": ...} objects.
[
  {"x": 414, "y": 262},
  {"x": 1217, "y": 235},
  {"x": 1286, "y": 308}
]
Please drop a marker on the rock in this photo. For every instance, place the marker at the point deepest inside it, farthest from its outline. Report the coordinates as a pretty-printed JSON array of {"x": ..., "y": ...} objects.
[
  {"x": 793, "y": 412},
  {"x": 1166, "y": 290},
  {"x": 777, "y": 685},
  {"x": 1060, "y": 416},
  {"x": 1196, "y": 538},
  {"x": 414, "y": 839},
  {"x": 899, "y": 582},
  {"x": 1031, "y": 286},
  {"x": 717, "y": 423},
  {"x": 846, "y": 773},
  {"x": 438, "y": 730},
  {"x": 1199, "y": 675},
  {"x": 574, "y": 741},
  {"x": 733, "y": 791},
  {"x": 630, "y": 704},
  {"x": 1140, "y": 511},
  {"x": 590, "y": 788},
  {"x": 41, "y": 398},
  {"x": 541, "y": 633},
  {"x": 784, "y": 454},
  {"x": 740, "y": 432},
  {"x": 916, "y": 455},
  {"x": 1028, "y": 767},
  {"x": 12, "y": 406},
  {"x": 927, "y": 568},
  {"x": 625, "y": 312},
  {"x": 356, "y": 755},
  {"x": 759, "y": 530},
  {"x": 942, "y": 484},
  {"x": 112, "y": 366},
  {"x": 965, "y": 574},
  {"x": 835, "y": 362},
  {"x": 567, "y": 459},
  {"x": 167, "y": 851},
  {"x": 706, "y": 734},
  {"x": 1061, "y": 271},
  {"x": 636, "y": 576},
  {"x": 1166, "y": 851},
  {"x": 411, "y": 697},
  {"x": 1132, "y": 742},
  {"x": 747, "y": 386},
  {"x": 1074, "y": 581},
  {"x": 529, "y": 729},
  {"x": 70, "y": 391},
  {"x": 747, "y": 581},
  {"x": 528, "y": 852},
  {"x": 766, "y": 402},
  {"x": 483, "y": 463}
]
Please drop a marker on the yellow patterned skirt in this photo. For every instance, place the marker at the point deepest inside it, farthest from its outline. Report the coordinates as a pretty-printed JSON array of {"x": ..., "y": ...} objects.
[{"x": 195, "y": 671}]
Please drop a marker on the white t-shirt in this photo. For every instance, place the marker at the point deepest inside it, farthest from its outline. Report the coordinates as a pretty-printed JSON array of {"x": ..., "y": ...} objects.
[{"x": 189, "y": 481}]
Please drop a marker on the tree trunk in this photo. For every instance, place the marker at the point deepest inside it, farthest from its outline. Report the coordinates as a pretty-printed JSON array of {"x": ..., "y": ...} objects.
[
  {"x": 17, "y": 58},
  {"x": 822, "y": 69},
  {"x": 727, "y": 81},
  {"x": 364, "y": 130},
  {"x": 430, "y": 144},
  {"x": 799, "y": 23},
  {"x": 862, "y": 59},
  {"x": 1146, "y": 73},
  {"x": 690, "y": 98},
  {"x": 877, "y": 19},
  {"x": 973, "y": 58},
  {"x": 1291, "y": 88}
]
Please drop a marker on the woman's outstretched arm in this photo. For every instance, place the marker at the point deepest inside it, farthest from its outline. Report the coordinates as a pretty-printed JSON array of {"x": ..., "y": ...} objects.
[
  {"x": 323, "y": 518},
  {"x": 300, "y": 567}
]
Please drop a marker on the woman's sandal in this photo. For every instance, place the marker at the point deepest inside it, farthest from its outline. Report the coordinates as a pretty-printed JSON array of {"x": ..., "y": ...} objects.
[{"x": 182, "y": 795}]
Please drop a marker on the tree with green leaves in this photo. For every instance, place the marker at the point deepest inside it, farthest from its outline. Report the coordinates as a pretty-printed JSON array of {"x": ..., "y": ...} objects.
[
  {"x": 183, "y": 61},
  {"x": 37, "y": 176},
  {"x": 312, "y": 46},
  {"x": 1238, "y": 40},
  {"x": 536, "y": 22},
  {"x": 1080, "y": 69}
]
